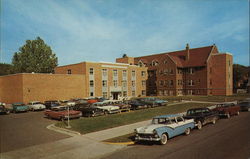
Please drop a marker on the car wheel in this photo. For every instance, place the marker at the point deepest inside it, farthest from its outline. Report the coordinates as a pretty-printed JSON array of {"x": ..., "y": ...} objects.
[
  {"x": 164, "y": 139},
  {"x": 214, "y": 121},
  {"x": 228, "y": 115},
  {"x": 238, "y": 113},
  {"x": 187, "y": 131},
  {"x": 199, "y": 125}
]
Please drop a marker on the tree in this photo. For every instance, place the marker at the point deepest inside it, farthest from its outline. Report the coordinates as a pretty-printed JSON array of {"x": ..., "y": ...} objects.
[
  {"x": 5, "y": 69},
  {"x": 34, "y": 56},
  {"x": 240, "y": 74}
]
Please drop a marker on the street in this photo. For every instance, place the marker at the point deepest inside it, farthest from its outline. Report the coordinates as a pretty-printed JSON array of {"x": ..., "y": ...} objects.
[
  {"x": 26, "y": 129},
  {"x": 228, "y": 138}
]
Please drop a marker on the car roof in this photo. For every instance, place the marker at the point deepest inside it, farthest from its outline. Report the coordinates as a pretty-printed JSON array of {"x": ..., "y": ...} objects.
[{"x": 168, "y": 116}]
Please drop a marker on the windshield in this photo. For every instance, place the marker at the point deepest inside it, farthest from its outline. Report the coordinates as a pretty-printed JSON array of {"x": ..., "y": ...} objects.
[
  {"x": 194, "y": 111},
  {"x": 162, "y": 121}
]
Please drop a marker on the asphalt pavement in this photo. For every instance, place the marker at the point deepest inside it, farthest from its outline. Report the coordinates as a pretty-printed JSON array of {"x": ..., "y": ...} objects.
[
  {"x": 26, "y": 129},
  {"x": 228, "y": 138}
]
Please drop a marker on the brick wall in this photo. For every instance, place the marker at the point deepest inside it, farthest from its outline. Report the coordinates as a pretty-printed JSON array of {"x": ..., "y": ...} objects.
[{"x": 41, "y": 87}]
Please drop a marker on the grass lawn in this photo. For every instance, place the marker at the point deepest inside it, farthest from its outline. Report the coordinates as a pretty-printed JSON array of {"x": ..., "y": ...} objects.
[
  {"x": 87, "y": 125},
  {"x": 208, "y": 98},
  {"x": 124, "y": 138}
]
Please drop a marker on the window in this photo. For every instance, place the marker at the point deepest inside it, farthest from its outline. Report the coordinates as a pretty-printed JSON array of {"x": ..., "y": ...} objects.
[
  {"x": 154, "y": 63},
  {"x": 91, "y": 94},
  {"x": 161, "y": 83},
  {"x": 143, "y": 83},
  {"x": 143, "y": 92},
  {"x": 171, "y": 71},
  {"x": 69, "y": 71},
  {"x": 160, "y": 93},
  {"x": 104, "y": 72},
  {"x": 171, "y": 83},
  {"x": 191, "y": 70},
  {"x": 115, "y": 83},
  {"x": 124, "y": 83},
  {"x": 91, "y": 83},
  {"x": 124, "y": 73},
  {"x": 115, "y": 73},
  {"x": 165, "y": 62},
  {"x": 179, "y": 82},
  {"x": 105, "y": 95},
  {"x": 190, "y": 82},
  {"x": 143, "y": 73},
  {"x": 91, "y": 71},
  {"x": 179, "y": 71},
  {"x": 104, "y": 83},
  {"x": 133, "y": 93},
  {"x": 140, "y": 63},
  {"x": 133, "y": 73},
  {"x": 133, "y": 83},
  {"x": 165, "y": 92},
  {"x": 124, "y": 93}
]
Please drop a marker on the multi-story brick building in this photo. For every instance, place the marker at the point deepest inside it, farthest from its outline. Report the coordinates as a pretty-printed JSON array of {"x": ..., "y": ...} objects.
[
  {"x": 197, "y": 71},
  {"x": 82, "y": 80},
  {"x": 109, "y": 80}
]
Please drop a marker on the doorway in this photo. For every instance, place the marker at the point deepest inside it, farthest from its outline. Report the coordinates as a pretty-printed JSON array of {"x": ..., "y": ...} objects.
[{"x": 115, "y": 96}]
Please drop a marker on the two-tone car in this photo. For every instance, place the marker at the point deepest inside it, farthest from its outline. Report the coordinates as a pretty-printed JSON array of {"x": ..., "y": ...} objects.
[
  {"x": 227, "y": 109},
  {"x": 19, "y": 107},
  {"x": 36, "y": 105},
  {"x": 202, "y": 116},
  {"x": 106, "y": 107},
  {"x": 164, "y": 127},
  {"x": 3, "y": 109},
  {"x": 62, "y": 113}
]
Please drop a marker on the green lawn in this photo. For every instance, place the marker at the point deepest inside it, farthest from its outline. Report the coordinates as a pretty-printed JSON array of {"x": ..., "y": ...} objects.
[
  {"x": 124, "y": 138},
  {"x": 87, "y": 125},
  {"x": 208, "y": 98}
]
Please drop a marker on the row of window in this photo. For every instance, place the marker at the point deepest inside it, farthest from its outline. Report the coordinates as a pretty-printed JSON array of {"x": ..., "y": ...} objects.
[
  {"x": 179, "y": 82},
  {"x": 115, "y": 83},
  {"x": 179, "y": 92}
]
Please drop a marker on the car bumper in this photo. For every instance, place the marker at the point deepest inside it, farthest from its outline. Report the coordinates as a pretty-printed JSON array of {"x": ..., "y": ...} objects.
[{"x": 138, "y": 138}]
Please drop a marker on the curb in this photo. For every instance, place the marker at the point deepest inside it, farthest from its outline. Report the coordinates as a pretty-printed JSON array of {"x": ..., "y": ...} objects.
[
  {"x": 120, "y": 143},
  {"x": 63, "y": 131}
]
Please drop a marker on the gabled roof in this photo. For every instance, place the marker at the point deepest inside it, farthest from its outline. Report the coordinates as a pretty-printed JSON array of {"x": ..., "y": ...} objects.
[{"x": 197, "y": 56}]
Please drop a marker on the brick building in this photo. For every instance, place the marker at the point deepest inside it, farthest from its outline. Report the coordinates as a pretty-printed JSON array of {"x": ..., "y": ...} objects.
[
  {"x": 82, "y": 80},
  {"x": 109, "y": 80},
  {"x": 197, "y": 71}
]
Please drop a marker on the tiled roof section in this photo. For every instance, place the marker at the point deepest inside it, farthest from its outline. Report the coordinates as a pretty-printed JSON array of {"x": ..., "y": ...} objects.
[{"x": 197, "y": 57}]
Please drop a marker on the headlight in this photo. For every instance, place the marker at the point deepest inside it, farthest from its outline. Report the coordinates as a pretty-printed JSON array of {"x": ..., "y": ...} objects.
[{"x": 155, "y": 133}]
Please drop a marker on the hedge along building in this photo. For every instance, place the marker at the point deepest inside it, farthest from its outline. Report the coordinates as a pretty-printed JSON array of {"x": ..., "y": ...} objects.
[
  {"x": 82, "y": 80},
  {"x": 198, "y": 71}
]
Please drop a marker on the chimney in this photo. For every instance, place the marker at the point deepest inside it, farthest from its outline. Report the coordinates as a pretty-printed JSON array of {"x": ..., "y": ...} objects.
[{"x": 187, "y": 49}]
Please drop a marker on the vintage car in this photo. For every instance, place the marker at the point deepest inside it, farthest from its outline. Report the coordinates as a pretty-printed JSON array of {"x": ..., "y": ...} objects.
[
  {"x": 164, "y": 127},
  {"x": 51, "y": 103},
  {"x": 36, "y": 105},
  {"x": 245, "y": 105},
  {"x": 227, "y": 109},
  {"x": 3, "y": 109},
  {"x": 123, "y": 105},
  {"x": 67, "y": 103},
  {"x": 202, "y": 116},
  {"x": 137, "y": 104},
  {"x": 19, "y": 107},
  {"x": 91, "y": 111},
  {"x": 62, "y": 113},
  {"x": 152, "y": 101},
  {"x": 106, "y": 107}
]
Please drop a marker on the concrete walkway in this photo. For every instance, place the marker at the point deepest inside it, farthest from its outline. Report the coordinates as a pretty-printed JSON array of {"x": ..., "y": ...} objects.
[{"x": 78, "y": 146}]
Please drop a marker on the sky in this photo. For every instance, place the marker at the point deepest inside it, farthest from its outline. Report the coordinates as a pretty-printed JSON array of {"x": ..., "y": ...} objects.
[{"x": 102, "y": 30}]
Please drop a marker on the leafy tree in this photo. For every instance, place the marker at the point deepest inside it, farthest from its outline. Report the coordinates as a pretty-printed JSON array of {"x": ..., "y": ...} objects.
[
  {"x": 240, "y": 73},
  {"x": 34, "y": 56},
  {"x": 5, "y": 69}
]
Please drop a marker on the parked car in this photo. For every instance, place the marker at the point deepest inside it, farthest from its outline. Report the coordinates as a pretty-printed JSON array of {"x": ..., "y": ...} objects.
[
  {"x": 36, "y": 105},
  {"x": 123, "y": 105},
  {"x": 67, "y": 103},
  {"x": 245, "y": 105},
  {"x": 227, "y": 109},
  {"x": 153, "y": 102},
  {"x": 137, "y": 104},
  {"x": 107, "y": 108},
  {"x": 163, "y": 128},
  {"x": 91, "y": 111},
  {"x": 51, "y": 103},
  {"x": 202, "y": 116},
  {"x": 3, "y": 109},
  {"x": 61, "y": 113},
  {"x": 19, "y": 107},
  {"x": 80, "y": 106},
  {"x": 92, "y": 100}
]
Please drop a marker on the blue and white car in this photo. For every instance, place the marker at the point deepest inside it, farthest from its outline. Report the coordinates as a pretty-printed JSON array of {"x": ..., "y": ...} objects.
[{"x": 164, "y": 127}]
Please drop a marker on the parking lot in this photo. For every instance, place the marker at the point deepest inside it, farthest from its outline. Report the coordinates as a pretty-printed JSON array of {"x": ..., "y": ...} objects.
[{"x": 26, "y": 129}]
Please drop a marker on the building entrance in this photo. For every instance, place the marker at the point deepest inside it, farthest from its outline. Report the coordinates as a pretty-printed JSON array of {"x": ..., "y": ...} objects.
[{"x": 115, "y": 95}]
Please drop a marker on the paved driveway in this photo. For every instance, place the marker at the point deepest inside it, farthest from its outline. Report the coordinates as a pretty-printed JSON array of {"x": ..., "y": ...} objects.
[{"x": 24, "y": 130}]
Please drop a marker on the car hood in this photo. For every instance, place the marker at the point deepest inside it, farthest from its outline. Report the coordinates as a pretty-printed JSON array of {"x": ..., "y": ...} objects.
[
  {"x": 38, "y": 105},
  {"x": 109, "y": 107},
  {"x": 149, "y": 128}
]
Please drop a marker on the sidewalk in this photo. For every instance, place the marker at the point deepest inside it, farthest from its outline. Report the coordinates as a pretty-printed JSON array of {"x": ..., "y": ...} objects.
[{"x": 78, "y": 146}]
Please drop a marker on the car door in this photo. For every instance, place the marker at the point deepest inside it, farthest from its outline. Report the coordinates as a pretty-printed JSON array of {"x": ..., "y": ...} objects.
[{"x": 180, "y": 128}]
